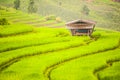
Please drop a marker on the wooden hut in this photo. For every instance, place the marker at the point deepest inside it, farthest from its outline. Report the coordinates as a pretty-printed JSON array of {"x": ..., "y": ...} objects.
[{"x": 81, "y": 27}]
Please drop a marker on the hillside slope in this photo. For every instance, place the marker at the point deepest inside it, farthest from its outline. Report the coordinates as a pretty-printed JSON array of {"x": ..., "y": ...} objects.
[
  {"x": 41, "y": 53},
  {"x": 104, "y": 12}
]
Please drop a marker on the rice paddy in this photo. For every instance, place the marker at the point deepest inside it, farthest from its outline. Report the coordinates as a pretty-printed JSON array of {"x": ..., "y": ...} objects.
[{"x": 29, "y": 52}]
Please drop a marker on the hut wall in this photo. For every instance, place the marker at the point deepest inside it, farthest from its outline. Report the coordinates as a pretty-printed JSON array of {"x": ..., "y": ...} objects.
[{"x": 81, "y": 31}]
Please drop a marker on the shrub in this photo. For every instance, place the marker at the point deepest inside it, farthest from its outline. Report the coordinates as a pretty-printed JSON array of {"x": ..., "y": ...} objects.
[
  {"x": 32, "y": 8},
  {"x": 4, "y": 21},
  {"x": 17, "y": 4},
  {"x": 58, "y": 19},
  {"x": 85, "y": 10},
  {"x": 10, "y": 10},
  {"x": 2, "y": 8},
  {"x": 50, "y": 17}
]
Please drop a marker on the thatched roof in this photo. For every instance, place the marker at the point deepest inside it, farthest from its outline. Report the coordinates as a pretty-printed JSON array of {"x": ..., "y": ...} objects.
[{"x": 79, "y": 24}]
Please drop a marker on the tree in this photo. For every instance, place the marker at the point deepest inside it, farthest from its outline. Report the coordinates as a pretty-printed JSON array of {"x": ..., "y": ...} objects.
[
  {"x": 60, "y": 3},
  {"x": 85, "y": 10},
  {"x": 31, "y": 7},
  {"x": 17, "y": 4},
  {"x": 4, "y": 21}
]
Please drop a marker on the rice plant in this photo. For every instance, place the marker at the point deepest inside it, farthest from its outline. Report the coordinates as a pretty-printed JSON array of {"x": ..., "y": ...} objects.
[
  {"x": 70, "y": 56},
  {"x": 14, "y": 29}
]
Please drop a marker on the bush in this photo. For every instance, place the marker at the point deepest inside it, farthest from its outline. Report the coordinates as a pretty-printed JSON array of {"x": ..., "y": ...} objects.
[
  {"x": 58, "y": 19},
  {"x": 85, "y": 10},
  {"x": 4, "y": 21},
  {"x": 2, "y": 8},
  {"x": 50, "y": 17},
  {"x": 11, "y": 10}
]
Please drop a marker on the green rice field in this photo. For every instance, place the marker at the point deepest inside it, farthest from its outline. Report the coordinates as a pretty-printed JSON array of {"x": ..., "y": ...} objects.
[{"x": 33, "y": 48}]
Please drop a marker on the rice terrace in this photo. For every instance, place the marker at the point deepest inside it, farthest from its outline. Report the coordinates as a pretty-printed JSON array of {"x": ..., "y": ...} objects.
[{"x": 59, "y": 40}]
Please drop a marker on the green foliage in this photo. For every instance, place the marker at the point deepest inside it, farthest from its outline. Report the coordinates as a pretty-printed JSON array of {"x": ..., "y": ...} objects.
[
  {"x": 85, "y": 10},
  {"x": 50, "y": 17},
  {"x": 32, "y": 8},
  {"x": 17, "y": 4},
  {"x": 58, "y": 19},
  {"x": 2, "y": 7},
  {"x": 4, "y": 21}
]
